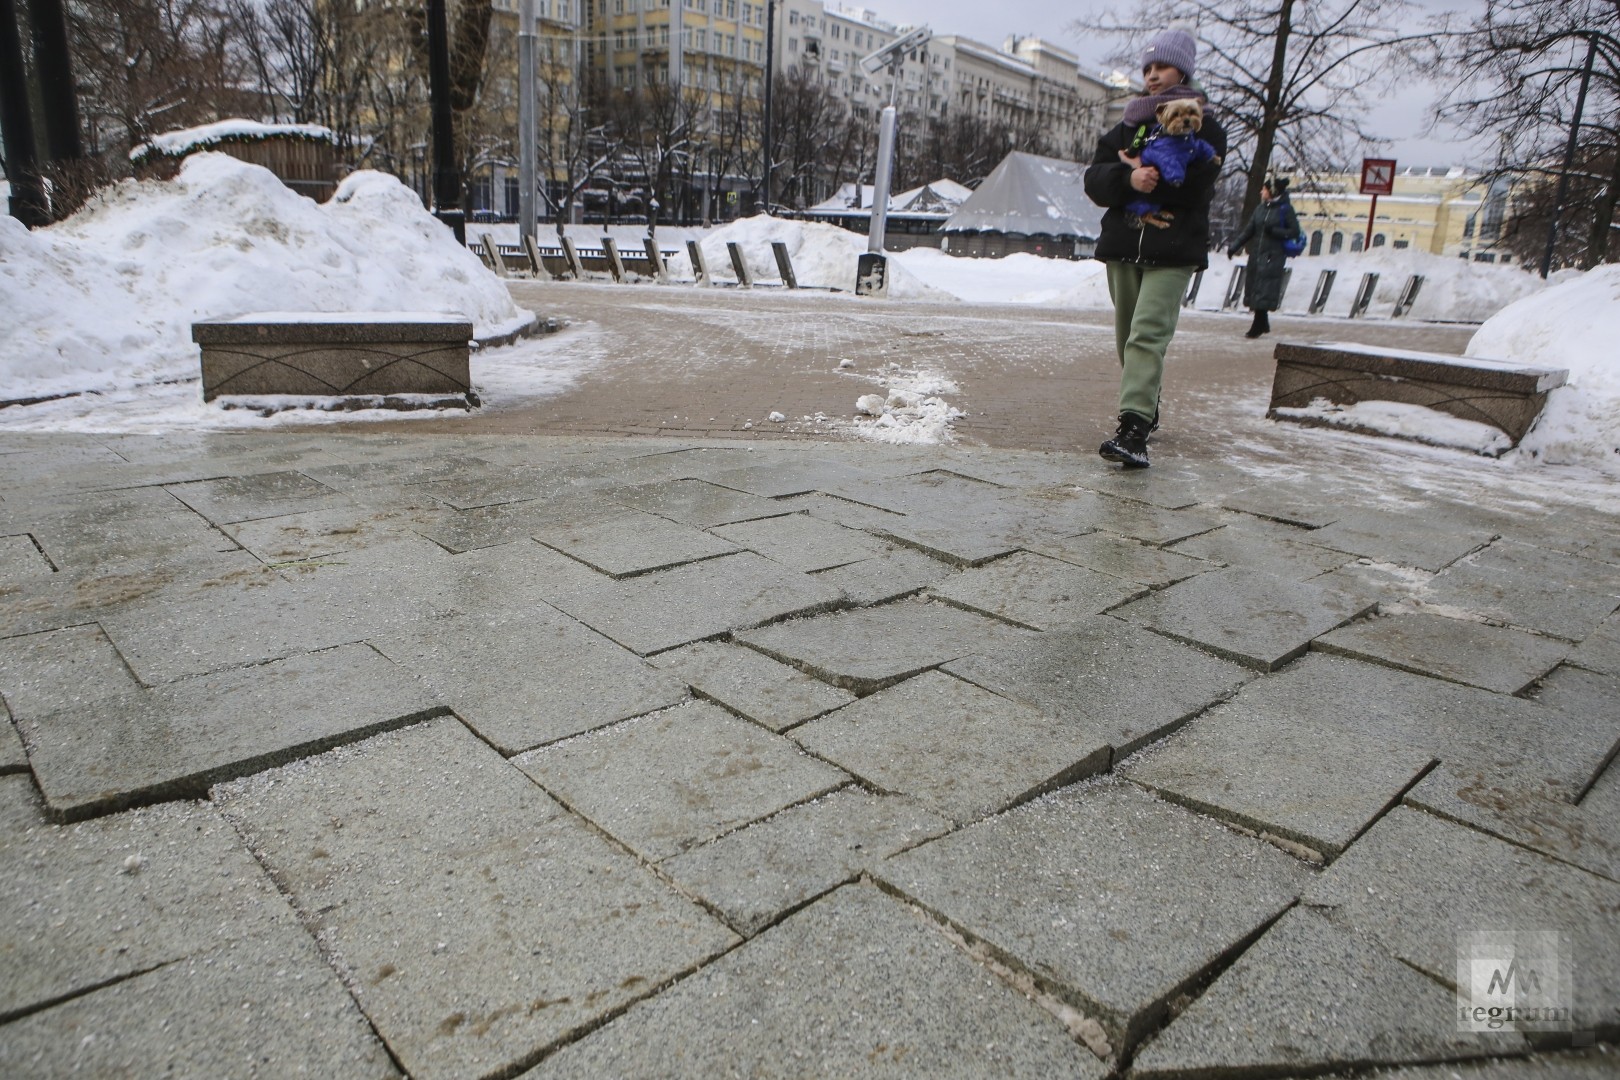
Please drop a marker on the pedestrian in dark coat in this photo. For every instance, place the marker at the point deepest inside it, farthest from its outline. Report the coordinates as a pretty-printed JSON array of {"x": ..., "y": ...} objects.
[{"x": 1272, "y": 222}]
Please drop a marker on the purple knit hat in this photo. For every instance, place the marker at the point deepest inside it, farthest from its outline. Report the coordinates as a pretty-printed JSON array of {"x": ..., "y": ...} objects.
[{"x": 1174, "y": 47}]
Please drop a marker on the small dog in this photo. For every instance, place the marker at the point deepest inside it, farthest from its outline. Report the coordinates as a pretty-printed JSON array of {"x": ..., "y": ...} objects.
[{"x": 1173, "y": 146}]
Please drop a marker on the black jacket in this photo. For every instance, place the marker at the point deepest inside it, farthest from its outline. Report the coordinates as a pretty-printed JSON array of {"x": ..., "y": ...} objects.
[
  {"x": 1186, "y": 241},
  {"x": 1269, "y": 225}
]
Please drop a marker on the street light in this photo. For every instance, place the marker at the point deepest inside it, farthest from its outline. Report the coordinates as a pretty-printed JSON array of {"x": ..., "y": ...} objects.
[{"x": 872, "y": 278}]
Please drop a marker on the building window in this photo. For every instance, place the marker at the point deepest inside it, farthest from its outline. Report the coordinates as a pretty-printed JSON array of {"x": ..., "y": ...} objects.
[
  {"x": 1316, "y": 242},
  {"x": 1378, "y": 239},
  {"x": 1336, "y": 245},
  {"x": 1484, "y": 256},
  {"x": 1402, "y": 243},
  {"x": 1355, "y": 244}
]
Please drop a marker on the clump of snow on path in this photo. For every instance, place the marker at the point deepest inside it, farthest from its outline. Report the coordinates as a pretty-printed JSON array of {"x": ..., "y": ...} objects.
[
  {"x": 912, "y": 411},
  {"x": 1573, "y": 325},
  {"x": 105, "y": 300}
]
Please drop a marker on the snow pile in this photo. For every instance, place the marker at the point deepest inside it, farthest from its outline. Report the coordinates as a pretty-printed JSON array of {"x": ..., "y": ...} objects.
[
  {"x": 1572, "y": 325},
  {"x": 1014, "y": 279},
  {"x": 1405, "y": 421},
  {"x": 106, "y": 299},
  {"x": 187, "y": 140},
  {"x": 912, "y": 411},
  {"x": 824, "y": 256}
]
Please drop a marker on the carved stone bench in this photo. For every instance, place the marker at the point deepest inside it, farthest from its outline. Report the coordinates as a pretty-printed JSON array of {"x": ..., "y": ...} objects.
[
  {"x": 335, "y": 354},
  {"x": 1501, "y": 393}
]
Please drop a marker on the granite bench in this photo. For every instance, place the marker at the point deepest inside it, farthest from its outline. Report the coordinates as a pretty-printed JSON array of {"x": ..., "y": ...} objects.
[
  {"x": 319, "y": 354},
  {"x": 1506, "y": 395}
]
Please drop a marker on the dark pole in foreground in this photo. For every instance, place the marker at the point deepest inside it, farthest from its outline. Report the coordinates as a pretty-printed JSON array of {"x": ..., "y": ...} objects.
[
  {"x": 770, "y": 77},
  {"x": 1569, "y": 159},
  {"x": 17, "y": 127},
  {"x": 59, "y": 105},
  {"x": 446, "y": 190}
]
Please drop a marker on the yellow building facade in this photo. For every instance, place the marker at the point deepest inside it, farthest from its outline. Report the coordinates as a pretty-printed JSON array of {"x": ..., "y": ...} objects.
[
  {"x": 722, "y": 47},
  {"x": 1443, "y": 211}
]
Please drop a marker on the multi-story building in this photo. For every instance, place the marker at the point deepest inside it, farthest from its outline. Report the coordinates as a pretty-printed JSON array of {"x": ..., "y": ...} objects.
[
  {"x": 1444, "y": 211},
  {"x": 720, "y": 51}
]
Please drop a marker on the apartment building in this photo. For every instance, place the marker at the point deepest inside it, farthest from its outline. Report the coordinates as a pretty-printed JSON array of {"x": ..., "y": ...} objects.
[
  {"x": 1444, "y": 211},
  {"x": 720, "y": 50}
]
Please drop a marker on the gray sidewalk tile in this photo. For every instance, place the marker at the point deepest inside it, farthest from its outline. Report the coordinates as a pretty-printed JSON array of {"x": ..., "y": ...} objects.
[
  {"x": 20, "y": 805},
  {"x": 802, "y": 542},
  {"x": 60, "y": 669},
  {"x": 696, "y": 503},
  {"x": 663, "y": 610},
  {"x": 1600, "y": 650},
  {"x": 796, "y": 476},
  {"x": 504, "y": 523},
  {"x": 1405, "y": 539},
  {"x": 257, "y": 495},
  {"x": 892, "y": 997},
  {"x": 146, "y": 526},
  {"x": 13, "y": 758},
  {"x": 1492, "y": 657},
  {"x": 841, "y": 511},
  {"x": 953, "y": 746},
  {"x": 413, "y": 469},
  {"x": 752, "y": 684},
  {"x": 1415, "y": 883},
  {"x": 520, "y": 484},
  {"x": 1273, "y": 1013},
  {"x": 1596, "y": 1064},
  {"x": 1140, "y": 521},
  {"x": 329, "y": 531},
  {"x": 1377, "y": 583},
  {"x": 266, "y": 1005},
  {"x": 174, "y": 740},
  {"x": 1262, "y": 545},
  {"x": 1088, "y": 676},
  {"x": 1531, "y": 587},
  {"x": 1035, "y": 592},
  {"x": 1131, "y": 560},
  {"x": 631, "y": 542},
  {"x": 21, "y": 560},
  {"x": 1245, "y": 615},
  {"x": 870, "y": 648},
  {"x": 1291, "y": 504},
  {"x": 666, "y": 782},
  {"x": 755, "y": 874},
  {"x": 523, "y": 680},
  {"x": 1113, "y": 933},
  {"x": 88, "y": 904},
  {"x": 476, "y": 923},
  {"x": 896, "y": 573},
  {"x": 965, "y": 541}
]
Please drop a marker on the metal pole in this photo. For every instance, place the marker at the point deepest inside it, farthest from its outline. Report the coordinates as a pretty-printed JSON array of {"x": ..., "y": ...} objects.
[
  {"x": 27, "y": 203},
  {"x": 446, "y": 188},
  {"x": 528, "y": 217},
  {"x": 1366, "y": 245},
  {"x": 770, "y": 78},
  {"x": 880, "y": 184},
  {"x": 1569, "y": 159},
  {"x": 59, "y": 105}
]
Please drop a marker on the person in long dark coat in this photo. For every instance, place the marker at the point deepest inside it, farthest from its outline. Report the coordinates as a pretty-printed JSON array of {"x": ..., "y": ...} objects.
[{"x": 1272, "y": 222}]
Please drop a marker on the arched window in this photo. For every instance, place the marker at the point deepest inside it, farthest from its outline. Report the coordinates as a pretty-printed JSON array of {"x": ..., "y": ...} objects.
[
  {"x": 1378, "y": 239},
  {"x": 1316, "y": 242},
  {"x": 1337, "y": 244},
  {"x": 1355, "y": 243}
]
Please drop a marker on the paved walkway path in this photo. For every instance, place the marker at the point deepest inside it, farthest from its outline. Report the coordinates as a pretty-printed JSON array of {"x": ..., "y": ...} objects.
[{"x": 455, "y": 752}]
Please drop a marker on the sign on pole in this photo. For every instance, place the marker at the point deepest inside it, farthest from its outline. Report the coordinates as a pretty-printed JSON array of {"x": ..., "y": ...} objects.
[{"x": 1377, "y": 178}]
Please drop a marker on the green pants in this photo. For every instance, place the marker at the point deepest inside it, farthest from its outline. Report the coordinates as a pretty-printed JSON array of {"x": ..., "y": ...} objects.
[{"x": 1147, "y": 303}]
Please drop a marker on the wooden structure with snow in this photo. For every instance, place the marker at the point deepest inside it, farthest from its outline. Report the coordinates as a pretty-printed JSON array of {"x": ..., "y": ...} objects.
[{"x": 1506, "y": 395}]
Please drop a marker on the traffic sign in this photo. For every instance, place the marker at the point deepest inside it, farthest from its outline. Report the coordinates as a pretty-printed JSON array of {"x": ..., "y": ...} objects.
[{"x": 1377, "y": 176}]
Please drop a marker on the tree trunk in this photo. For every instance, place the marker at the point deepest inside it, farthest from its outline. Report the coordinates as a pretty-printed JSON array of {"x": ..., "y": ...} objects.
[
  {"x": 1271, "y": 111},
  {"x": 1597, "y": 241}
]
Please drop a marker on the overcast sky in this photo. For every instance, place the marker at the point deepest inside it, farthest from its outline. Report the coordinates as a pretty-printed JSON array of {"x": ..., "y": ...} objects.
[{"x": 1401, "y": 118}]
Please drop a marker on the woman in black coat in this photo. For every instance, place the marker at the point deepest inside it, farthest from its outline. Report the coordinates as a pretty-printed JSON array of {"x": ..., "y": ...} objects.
[{"x": 1272, "y": 223}]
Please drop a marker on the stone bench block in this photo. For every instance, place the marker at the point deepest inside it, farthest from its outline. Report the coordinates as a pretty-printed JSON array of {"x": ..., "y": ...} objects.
[
  {"x": 1500, "y": 393},
  {"x": 336, "y": 355}
]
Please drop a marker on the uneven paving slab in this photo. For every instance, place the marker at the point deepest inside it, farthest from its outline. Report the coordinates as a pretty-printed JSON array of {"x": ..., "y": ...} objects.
[
  {"x": 266, "y": 1005},
  {"x": 795, "y": 476},
  {"x": 1476, "y": 654},
  {"x": 1377, "y": 583},
  {"x": 521, "y": 483},
  {"x": 934, "y": 492},
  {"x": 1531, "y": 587},
  {"x": 1287, "y": 503},
  {"x": 896, "y": 573},
  {"x": 1138, "y": 520},
  {"x": 1035, "y": 592},
  {"x": 841, "y": 511},
  {"x": 1405, "y": 539},
  {"x": 520, "y": 681},
  {"x": 756, "y": 874},
  {"x": 329, "y": 531},
  {"x": 802, "y": 542},
  {"x": 1586, "y": 699},
  {"x": 666, "y": 782},
  {"x": 1600, "y": 650},
  {"x": 13, "y": 758},
  {"x": 653, "y": 612},
  {"x": 20, "y": 805},
  {"x": 1263, "y": 545},
  {"x": 1309, "y": 996},
  {"x": 1415, "y": 883},
  {"x": 1088, "y": 676},
  {"x": 21, "y": 560},
  {"x": 476, "y": 923},
  {"x": 631, "y": 542},
  {"x": 870, "y": 648},
  {"x": 696, "y": 502},
  {"x": 1245, "y": 615},
  {"x": 41, "y": 673},
  {"x": 259, "y": 495},
  {"x": 890, "y": 997},
  {"x": 953, "y": 537},
  {"x": 174, "y": 740},
  {"x": 1061, "y": 888},
  {"x": 1131, "y": 560},
  {"x": 752, "y": 684},
  {"x": 416, "y": 468},
  {"x": 144, "y": 525},
  {"x": 503, "y": 523},
  {"x": 953, "y": 746},
  {"x": 1595, "y": 1064},
  {"x": 86, "y": 905}
]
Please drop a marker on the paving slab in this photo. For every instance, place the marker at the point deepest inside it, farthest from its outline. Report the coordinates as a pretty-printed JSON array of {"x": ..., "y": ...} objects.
[
  {"x": 1060, "y": 889},
  {"x": 504, "y": 523},
  {"x": 952, "y": 537},
  {"x": 960, "y": 750},
  {"x": 1476, "y": 654},
  {"x": 791, "y": 477},
  {"x": 41, "y": 673},
  {"x": 522, "y": 483},
  {"x": 416, "y": 468},
  {"x": 173, "y": 741},
  {"x": 20, "y": 805},
  {"x": 891, "y": 997},
  {"x": 1405, "y": 539},
  {"x": 13, "y": 757},
  {"x": 86, "y": 905},
  {"x": 1088, "y": 677},
  {"x": 841, "y": 511},
  {"x": 1600, "y": 650},
  {"x": 1415, "y": 883},
  {"x": 523, "y": 680},
  {"x": 1263, "y": 545},
  {"x": 1587, "y": 701},
  {"x": 1079, "y": 511},
  {"x": 1131, "y": 560},
  {"x": 1379, "y": 583},
  {"x": 476, "y": 923},
  {"x": 653, "y": 612},
  {"x": 896, "y": 573},
  {"x": 631, "y": 542},
  {"x": 329, "y": 531},
  {"x": 257, "y": 495},
  {"x": 870, "y": 648},
  {"x": 1035, "y": 592},
  {"x": 752, "y": 684},
  {"x": 1274, "y": 1013},
  {"x": 147, "y": 526},
  {"x": 267, "y": 1005},
  {"x": 696, "y": 502},
  {"x": 21, "y": 560},
  {"x": 1288, "y": 503},
  {"x": 666, "y": 782},
  {"x": 757, "y": 874},
  {"x": 1530, "y": 587},
  {"x": 803, "y": 542},
  {"x": 1599, "y": 1062},
  {"x": 1245, "y": 615}
]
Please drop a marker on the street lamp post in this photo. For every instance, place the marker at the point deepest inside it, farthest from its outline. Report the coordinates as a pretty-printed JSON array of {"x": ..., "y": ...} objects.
[
  {"x": 446, "y": 189},
  {"x": 528, "y": 218},
  {"x": 770, "y": 78}
]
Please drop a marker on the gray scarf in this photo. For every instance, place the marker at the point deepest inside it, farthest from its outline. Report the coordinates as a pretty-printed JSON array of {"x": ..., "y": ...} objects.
[{"x": 1141, "y": 110}]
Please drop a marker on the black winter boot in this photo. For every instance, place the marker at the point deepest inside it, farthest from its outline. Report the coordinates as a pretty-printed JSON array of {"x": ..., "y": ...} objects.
[
  {"x": 1129, "y": 444},
  {"x": 1261, "y": 325}
]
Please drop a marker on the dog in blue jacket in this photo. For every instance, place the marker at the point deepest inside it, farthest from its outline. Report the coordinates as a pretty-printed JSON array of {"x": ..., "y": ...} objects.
[{"x": 1172, "y": 148}]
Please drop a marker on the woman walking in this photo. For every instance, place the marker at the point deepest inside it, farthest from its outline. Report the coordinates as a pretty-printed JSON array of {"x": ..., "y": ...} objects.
[
  {"x": 1272, "y": 223},
  {"x": 1150, "y": 259}
]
